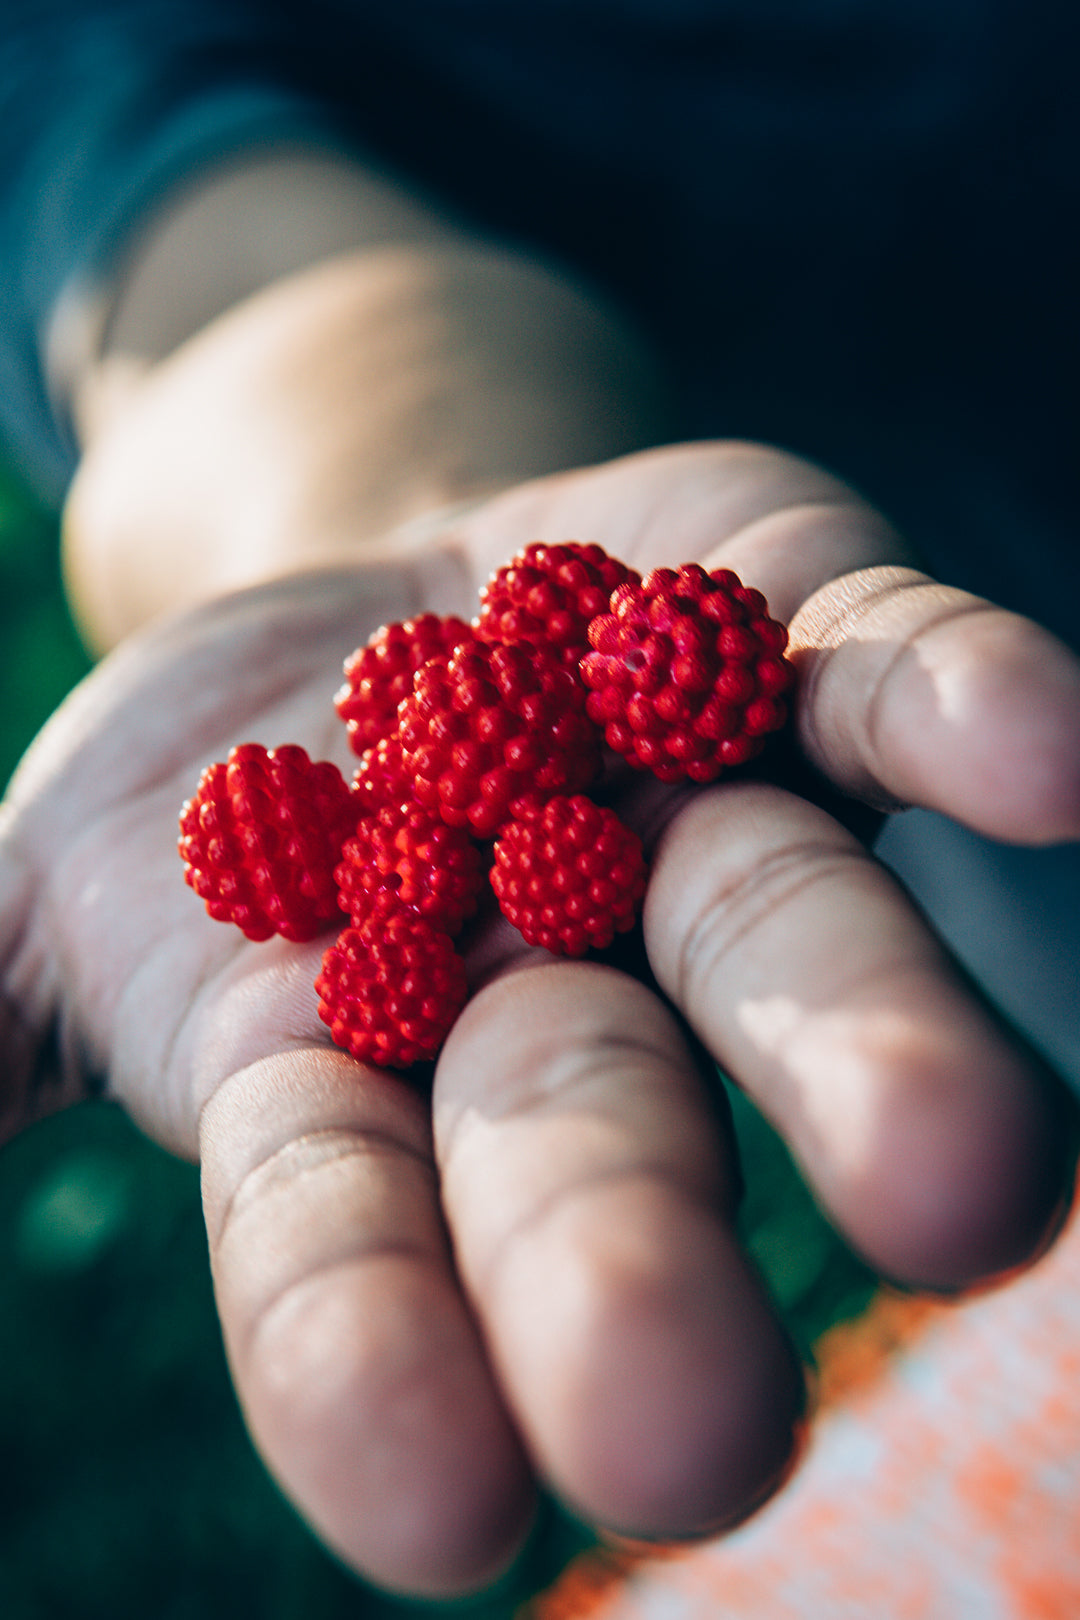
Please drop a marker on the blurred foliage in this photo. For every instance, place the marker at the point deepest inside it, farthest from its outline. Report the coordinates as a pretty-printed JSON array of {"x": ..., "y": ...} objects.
[
  {"x": 813, "y": 1277},
  {"x": 128, "y": 1487},
  {"x": 41, "y": 656}
]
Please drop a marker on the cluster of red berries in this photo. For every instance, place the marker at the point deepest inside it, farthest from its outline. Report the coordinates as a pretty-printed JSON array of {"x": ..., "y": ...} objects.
[{"x": 478, "y": 746}]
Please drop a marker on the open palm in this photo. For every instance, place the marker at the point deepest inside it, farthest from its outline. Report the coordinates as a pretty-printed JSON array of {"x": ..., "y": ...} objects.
[{"x": 427, "y": 1302}]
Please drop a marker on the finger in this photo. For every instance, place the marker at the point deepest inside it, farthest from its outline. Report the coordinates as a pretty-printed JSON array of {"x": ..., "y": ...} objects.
[
  {"x": 358, "y": 1365},
  {"x": 914, "y": 693},
  {"x": 590, "y": 1191},
  {"x": 932, "y": 1137},
  {"x": 782, "y": 523},
  {"x": 909, "y": 692}
]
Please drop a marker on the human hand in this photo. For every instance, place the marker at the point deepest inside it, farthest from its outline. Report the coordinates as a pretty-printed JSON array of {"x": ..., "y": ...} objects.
[{"x": 426, "y": 1303}]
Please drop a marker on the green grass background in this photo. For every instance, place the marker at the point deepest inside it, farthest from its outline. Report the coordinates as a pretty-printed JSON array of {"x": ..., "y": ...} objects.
[{"x": 128, "y": 1487}]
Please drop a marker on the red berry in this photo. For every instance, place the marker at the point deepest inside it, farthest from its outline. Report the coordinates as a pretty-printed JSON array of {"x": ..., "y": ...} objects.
[
  {"x": 491, "y": 724},
  {"x": 547, "y": 595},
  {"x": 570, "y": 875},
  {"x": 261, "y": 837},
  {"x": 392, "y": 986},
  {"x": 687, "y": 672},
  {"x": 434, "y": 868},
  {"x": 381, "y": 776},
  {"x": 379, "y": 674}
]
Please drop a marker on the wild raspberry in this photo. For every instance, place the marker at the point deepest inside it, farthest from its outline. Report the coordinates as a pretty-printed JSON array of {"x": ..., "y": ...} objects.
[
  {"x": 391, "y": 988},
  {"x": 570, "y": 875},
  {"x": 261, "y": 837},
  {"x": 491, "y": 724},
  {"x": 381, "y": 776},
  {"x": 687, "y": 672},
  {"x": 434, "y": 868},
  {"x": 379, "y": 674},
  {"x": 547, "y": 595}
]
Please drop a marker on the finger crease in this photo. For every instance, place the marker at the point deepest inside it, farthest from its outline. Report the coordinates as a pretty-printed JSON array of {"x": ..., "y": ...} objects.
[
  {"x": 562, "y": 1196},
  {"x": 562, "y": 1068},
  {"x": 903, "y": 650},
  {"x": 302, "y": 1157},
  {"x": 825, "y": 634},
  {"x": 751, "y": 900},
  {"x": 796, "y": 507},
  {"x": 275, "y": 1302}
]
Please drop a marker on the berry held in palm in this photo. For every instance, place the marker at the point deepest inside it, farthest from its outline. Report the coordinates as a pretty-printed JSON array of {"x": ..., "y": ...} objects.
[
  {"x": 687, "y": 673},
  {"x": 485, "y": 768}
]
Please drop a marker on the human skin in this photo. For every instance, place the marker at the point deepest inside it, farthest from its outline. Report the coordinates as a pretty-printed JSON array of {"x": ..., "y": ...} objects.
[{"x": 430, "y": 1302}]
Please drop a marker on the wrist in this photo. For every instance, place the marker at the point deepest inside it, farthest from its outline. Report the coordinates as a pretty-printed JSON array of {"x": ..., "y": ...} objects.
[
  {"x": 231, "y": 229},
  {"x": 332, "y": 406}
]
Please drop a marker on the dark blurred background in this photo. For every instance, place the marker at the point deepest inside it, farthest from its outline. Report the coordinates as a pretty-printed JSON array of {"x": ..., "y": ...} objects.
[{"x": 128, "y": 1487}]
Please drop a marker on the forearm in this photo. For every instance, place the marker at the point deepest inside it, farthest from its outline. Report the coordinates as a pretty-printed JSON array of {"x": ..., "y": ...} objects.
[{"x": 301, "y": 357}]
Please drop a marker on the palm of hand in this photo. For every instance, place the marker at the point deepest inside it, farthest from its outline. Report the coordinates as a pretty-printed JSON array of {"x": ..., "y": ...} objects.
[{"x": 424, "y": 1305}]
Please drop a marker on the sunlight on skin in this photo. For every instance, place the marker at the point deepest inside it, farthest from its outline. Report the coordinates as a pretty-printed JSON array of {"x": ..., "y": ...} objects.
[
  {"x": 897, "y": 675},
  {"x": 920, "y": 1127},
  {"x": 841, "y": 1108}
]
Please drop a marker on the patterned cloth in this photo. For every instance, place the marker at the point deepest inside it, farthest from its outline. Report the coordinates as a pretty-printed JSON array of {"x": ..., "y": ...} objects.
[{"x": 941, "y": 1480}]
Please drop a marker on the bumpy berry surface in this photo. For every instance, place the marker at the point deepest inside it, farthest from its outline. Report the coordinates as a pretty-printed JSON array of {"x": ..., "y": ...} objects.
[
  {"x": 379, "y": 674},
  {"x": 491, "y": 724},
  {"x": 382, "y": 777},
  {"x": 570, "y": 875},
  {"x": 547, "y": 595},
  {"x": 391, "y": 986},
  {"x": 432, "y": 867},
  {"x": 261, "y": 837},
  {"x": 687, "y": 673}
]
